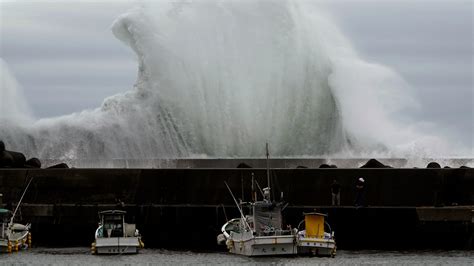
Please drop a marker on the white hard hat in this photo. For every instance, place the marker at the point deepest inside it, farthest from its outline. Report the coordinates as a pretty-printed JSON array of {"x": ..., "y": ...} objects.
[{"x": 361, "y": 179}]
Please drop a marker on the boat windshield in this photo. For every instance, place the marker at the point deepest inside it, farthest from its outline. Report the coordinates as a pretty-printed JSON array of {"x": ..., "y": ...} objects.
[
  {"x": 114, "y": 224},
  {"x": 233, "y": 226}
]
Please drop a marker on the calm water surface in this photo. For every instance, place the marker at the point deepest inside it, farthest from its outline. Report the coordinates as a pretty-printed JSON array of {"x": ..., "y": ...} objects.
[{"x": 81, "y": 256}]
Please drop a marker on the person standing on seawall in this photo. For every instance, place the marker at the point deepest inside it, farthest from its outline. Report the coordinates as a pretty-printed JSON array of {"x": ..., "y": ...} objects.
[
  {"x": 336, "y": 193},
  {"x": 360, "y": 193}
]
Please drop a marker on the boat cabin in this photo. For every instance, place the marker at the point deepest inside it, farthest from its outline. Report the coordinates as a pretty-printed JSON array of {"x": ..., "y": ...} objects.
[
  {"x": 113, "y": 223},
  {"x": 5, "y": 216},
  {"x": 266, "y": 217},
  {"x": 314, "y": 224}
]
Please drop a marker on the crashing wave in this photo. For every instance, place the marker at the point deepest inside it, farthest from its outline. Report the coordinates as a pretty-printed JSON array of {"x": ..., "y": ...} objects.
[{"x": 221, "y": 78}]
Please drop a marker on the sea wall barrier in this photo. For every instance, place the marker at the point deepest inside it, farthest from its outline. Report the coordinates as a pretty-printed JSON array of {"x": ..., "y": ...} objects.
[{"x": 184, "y": 208}]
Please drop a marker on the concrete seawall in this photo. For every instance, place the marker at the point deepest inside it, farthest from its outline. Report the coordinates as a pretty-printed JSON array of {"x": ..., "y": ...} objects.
[
  {"x": 226, "y": 163},
  {"x": 184, "y": 208}
]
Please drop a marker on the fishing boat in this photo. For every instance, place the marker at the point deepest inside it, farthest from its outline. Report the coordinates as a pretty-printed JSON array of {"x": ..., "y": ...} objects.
[
  {"x": 314, "y": 239},
  {"x": 114, "y": 236},
  {"x": 261, "y": 232},
  {"x": 13, "y": 236}
]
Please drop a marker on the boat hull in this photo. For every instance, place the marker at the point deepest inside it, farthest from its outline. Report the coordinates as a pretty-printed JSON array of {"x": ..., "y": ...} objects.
[
  {"x": 117, "y": 245},
  {"x": 16, "y": 245},
  {"x": 263, "y": 246},
  {"x": 18, "y": 236},
  {"x": 316, "y": 247}
]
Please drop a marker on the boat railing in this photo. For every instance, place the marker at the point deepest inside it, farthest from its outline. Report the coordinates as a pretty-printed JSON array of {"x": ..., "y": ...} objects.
[
  {"x": 276, "y": 232},
  {"x": 99, "y": 232}
]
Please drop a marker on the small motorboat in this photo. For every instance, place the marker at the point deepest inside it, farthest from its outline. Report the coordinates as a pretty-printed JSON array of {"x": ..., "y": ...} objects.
[
  {"x": 314, "y": 239},
  {"x": 114, "y": 236},
  {"x": 13, "y": 236}
]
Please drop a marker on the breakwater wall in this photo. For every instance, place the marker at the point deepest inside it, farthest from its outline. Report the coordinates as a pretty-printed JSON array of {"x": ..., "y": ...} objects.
[
  {"x": 226, "y": 163},
  {"x": 184, "y": 208}
]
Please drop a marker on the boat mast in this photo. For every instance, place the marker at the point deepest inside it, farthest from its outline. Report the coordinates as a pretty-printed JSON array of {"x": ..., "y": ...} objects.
[
  {"x": 18, "y": 205},
  {"x": 254, "y": 190},
  {"x": 268, "y": 171}
]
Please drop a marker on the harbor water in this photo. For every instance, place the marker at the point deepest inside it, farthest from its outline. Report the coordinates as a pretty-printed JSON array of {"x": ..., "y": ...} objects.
[{"x": 81, "y": 256}]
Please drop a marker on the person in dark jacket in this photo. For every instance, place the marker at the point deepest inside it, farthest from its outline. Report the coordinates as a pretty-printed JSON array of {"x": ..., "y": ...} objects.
[
  {"x": 336, "y": 193},
  {"x": 360, "y": 193}
]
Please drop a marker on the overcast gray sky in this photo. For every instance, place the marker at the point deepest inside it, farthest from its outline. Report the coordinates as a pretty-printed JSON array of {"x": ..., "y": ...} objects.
[{"x": 67, "y": 60}]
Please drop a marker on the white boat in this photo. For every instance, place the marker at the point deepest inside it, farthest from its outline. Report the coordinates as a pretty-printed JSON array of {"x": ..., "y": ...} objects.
[
  {"x": 260, "y": 233},
  {"x": 13, "y": 236},
  {"x": 114, "y": 236},
  {"x": 314, "y": 239}
]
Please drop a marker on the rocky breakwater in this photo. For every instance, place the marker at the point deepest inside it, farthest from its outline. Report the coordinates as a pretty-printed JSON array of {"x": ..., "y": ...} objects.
[{"x": 13, "y": 159}]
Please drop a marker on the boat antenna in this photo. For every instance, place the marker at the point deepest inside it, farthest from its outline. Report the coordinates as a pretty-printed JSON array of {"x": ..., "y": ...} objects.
[
  {"x": 242, "y": 185},
  {"x": 268, "y": 170},
  {"x": 254, "y": 192},
  {"x": 268, "y": 175},
  {"x": 18, "y": 204},
  {"x": 238, "y": 207}
]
